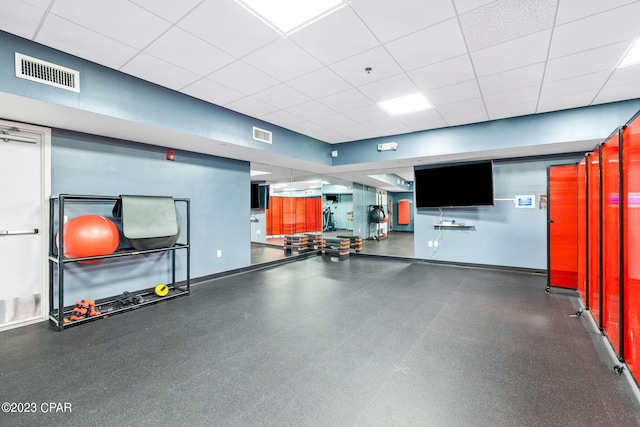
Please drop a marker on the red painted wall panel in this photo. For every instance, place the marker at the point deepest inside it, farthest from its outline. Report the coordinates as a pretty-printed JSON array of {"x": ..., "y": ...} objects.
[
  {"x": 631, "y": 247},
  {"x": 563, "y": 226},
  {"x": 291, "y": 215},
  {"x": 609, "y": 156}
]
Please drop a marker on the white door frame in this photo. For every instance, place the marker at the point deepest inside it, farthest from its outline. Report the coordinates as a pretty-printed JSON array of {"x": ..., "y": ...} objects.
[{"x": 45, "y": 167}]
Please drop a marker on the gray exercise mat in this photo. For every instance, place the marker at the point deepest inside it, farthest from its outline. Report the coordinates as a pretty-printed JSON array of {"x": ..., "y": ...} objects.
[{"x": 149, "y": 222}]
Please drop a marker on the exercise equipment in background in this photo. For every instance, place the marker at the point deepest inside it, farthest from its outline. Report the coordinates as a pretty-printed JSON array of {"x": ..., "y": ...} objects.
[{"x": 90, "y": 235}]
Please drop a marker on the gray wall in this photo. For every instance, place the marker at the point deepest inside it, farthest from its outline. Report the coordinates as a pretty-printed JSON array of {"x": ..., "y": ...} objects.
[
  {"x": 220, "y": 208},
  {"x": 502, "y": 235}
]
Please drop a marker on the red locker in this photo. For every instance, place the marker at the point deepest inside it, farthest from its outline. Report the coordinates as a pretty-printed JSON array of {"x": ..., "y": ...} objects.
[{"x": 562, "y": 226}]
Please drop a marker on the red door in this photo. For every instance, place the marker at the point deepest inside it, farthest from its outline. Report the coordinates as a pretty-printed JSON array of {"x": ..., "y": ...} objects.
[{"x": 562, "y": 230}]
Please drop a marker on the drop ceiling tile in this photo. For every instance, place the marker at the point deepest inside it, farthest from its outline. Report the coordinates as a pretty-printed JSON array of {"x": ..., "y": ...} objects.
[
  {"x": 311, "y": 110},
  {"x": 353, "y": 69},
  {"x": 355, "y": 131},
  {"x": 391, "y": 20},
  {"x": 281, "y": 96},
  {"x": 390, "y": 88},
  {"x": 310, "y": 129},
  {"x": 618, "y": 93},
  {"x": 347, "y": 100},
  {"x": 502, "y": 112},
  {"x": 466, "y": 106},
  {"x": 319, "y": 83},
  {"x": 463, "y": 6},
  {"x": 571, "y": 10},
  {"x": 429, "y": 46},
  {"x": 565, "y": 102},
  {"x": 228, "y": 26},
  {"x": 530, "y": 75},
  {"x": 333, "y": 121},
  {"x": 586, "y": 83},
  {"x": 212, "y": 92},
  {"x": 182, "y": 49},
  {"x": 282, "y": 60},
  {"x": 281, "y": 118},
  {"x": 517, "y": 53},
  {"x": 171, "y": 11},
  {"x": 251, "y": 107},
  {"x": 513, "y": 97},
  {"x": 243, "y": 77},
  {"x": 40, "y": 4},
  {"x": 152, "y": 69},
  {"x": 326, "y": 135},
  {"x": 84, "y": 43},
  {"x": 603, "y": 58},
  {"x": 20, "y": 18},
  {"x": 388, "y": 126},
  {"x": 445, "y": 73},
  {"x": 595, "y": 31},
  {"x": 465, "y": 119},
  {"x": 119, "y": 19},
  {"x": 366, "y": 114},
  {"x": 507, "y": 20},
  {"x": 335, "y": 37},
  {"x": 422, "y": 119},
  {"x": 624, "y": 75},
  {"x": 453, "y": 93},
  {"x": 417, "y": 126}
]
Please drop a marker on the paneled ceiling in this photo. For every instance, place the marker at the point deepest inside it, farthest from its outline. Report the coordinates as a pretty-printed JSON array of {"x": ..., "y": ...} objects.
[{"x": 475, "y": 60}]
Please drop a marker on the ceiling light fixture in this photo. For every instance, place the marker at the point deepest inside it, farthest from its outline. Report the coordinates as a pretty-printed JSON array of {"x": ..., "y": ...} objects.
[
  {"x": 288, "y": 16},
  {"x": 406, "y": 104},
  {"x": 632, "y": 56}
]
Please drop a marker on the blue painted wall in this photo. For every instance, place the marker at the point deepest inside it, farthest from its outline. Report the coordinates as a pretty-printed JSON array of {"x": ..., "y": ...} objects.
[
  {"x": 588, "y": 123},
  {"x": 501, "y": 235},
  {"x": 220, "y": 207},
  {"x": 115, "y": 94}
]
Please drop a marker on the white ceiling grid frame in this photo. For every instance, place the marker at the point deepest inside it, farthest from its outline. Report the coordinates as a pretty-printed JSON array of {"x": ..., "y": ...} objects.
[
  {"x": 120, "y": 20},
  {"x": 390, "y": 20},
  {"x": 613, "y": 26},
  {"x": 23, "y": 20},
  {"x": 228, "y": 26},
  {"x": 84, "y": 43},
  {"x": 335, "y": 37},
  {"x": 182, "y": 49}
]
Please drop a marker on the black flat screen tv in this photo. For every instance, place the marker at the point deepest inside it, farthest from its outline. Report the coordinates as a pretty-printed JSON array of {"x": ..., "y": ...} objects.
[{"x": 455, "y": 185}]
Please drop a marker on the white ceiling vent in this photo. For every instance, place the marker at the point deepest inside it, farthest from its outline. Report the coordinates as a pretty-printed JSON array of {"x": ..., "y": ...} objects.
[
  {"x": 45, "y": 72},
  {"x": 262, "y": 135}
]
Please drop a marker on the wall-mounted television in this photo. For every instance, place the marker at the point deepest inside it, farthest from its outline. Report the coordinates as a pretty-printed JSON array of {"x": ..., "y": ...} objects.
[{"x": 454, "y": 185}]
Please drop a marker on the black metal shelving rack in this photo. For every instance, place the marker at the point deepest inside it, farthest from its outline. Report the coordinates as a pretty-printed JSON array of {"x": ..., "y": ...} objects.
[{"x": 57, "y": 261}]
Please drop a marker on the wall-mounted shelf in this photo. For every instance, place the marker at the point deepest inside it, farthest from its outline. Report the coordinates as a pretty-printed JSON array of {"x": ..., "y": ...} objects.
[{"x": 454, "y": 226}]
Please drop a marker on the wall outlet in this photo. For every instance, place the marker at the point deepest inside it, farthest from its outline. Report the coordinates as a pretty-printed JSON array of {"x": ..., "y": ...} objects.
[
  {"x": 435, "y": 243},
  {"x": 219, "y": 253},
  {"x": 430, "y": 243}
]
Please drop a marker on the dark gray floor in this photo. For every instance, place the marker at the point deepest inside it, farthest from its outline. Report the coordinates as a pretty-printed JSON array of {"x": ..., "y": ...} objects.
[{"x": 362, "y": 342}]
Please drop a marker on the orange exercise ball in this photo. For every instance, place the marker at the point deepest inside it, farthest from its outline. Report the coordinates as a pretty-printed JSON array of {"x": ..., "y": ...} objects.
[{"x": 90, "y": 235}]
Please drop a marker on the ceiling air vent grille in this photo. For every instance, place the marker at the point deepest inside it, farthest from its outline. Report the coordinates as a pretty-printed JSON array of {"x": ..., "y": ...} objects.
[
  {"x": 262, "y": 135},
  {"x": 45, "y": 72}
]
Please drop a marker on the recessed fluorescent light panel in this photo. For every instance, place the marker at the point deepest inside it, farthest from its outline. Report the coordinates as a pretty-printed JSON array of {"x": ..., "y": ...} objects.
[
  {"x": 632, "y": 56},
  {"x": 406, "y": 104},
  {"x": 288, "y": 16}
]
